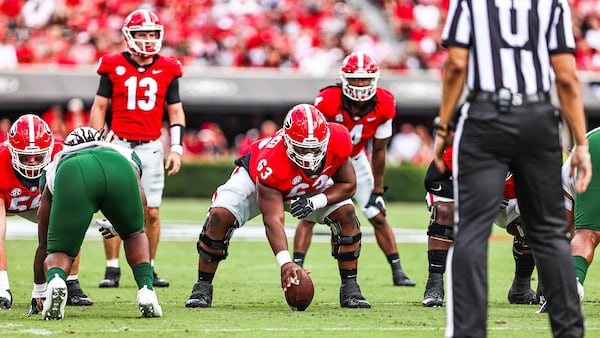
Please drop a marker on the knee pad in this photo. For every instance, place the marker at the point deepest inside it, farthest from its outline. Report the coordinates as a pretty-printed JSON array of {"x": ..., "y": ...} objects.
[
  {"x": 520, "y": 244},
  {"x": 444, "y": 232},
  {"x": 215, "y": 244},
  {"x": 338, "y": 240}
]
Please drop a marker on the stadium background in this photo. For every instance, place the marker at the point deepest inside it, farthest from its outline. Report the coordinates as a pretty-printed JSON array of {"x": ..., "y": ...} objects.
[{"x": 246, "y": 61}]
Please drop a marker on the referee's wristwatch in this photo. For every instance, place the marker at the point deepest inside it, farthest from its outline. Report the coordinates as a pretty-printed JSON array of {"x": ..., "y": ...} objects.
[{"x": 442, "y": 129}]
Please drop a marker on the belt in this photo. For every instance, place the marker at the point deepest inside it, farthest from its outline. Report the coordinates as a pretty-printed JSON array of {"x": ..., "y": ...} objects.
[
  {"x": 514, "y": 99},
  {"x": 133, "y": 143}
]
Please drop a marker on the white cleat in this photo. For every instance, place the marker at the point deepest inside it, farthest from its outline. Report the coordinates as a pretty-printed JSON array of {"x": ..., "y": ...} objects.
[
  {"x": 148, "y": 303},
  {"x": 56, "y": 299}
]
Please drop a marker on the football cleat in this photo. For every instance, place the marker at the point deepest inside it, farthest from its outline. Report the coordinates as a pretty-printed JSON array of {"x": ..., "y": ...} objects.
[
  {"x": 159, "y": 282},
  {"x": 527, "y": 296},
  {"x": 202, "y": 293},
  {"x": 148, "y": 303},
  {"x": 56, "y": 299},
  {"x": 434, "y": 293},
  {"x": 111, "y": 278},
  {"x": 401, "y": 279},
  {"x": 543, "y": 308},
  {"x": 351, "y": 297},
  {"x": 76, "y": 295}
]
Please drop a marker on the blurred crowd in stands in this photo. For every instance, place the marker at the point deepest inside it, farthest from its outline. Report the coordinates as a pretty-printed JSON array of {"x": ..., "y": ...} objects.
[{"x": 308, "y": 35}]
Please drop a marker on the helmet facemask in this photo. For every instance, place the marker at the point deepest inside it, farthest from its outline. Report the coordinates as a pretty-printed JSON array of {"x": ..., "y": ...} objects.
[
  {"x": 306, "y": 136},
  {"x": 143, "y": 21},
  {"x": 359, "y": 65},
  {"x": 359, "y": 93}
]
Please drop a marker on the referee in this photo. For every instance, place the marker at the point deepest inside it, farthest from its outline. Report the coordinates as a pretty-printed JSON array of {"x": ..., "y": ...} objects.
[{"x": 505, "y": 51}]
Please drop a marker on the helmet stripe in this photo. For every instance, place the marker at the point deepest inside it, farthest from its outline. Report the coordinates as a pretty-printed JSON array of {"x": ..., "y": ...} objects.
[
  {"x": 361, "y": 60},
  {"x": 31, "y": 126},
  {"x": 311, "y": 130}
]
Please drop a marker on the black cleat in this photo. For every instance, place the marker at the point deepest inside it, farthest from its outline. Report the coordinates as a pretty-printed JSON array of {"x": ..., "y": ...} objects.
[
  {"x": 434, "y": 293},
  {"x": 351, "y": 297},
  {"x": 401, "y": 279},
  {"x": 111, "y": 278},
  {"x": 76, "y": 296},
  {"x": 525, "y": 296},
  {"x": 201, "y": 295},
  {"x": 159, "y": 282}
]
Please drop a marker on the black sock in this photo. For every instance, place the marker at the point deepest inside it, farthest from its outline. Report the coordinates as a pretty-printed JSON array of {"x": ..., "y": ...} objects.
[
  {"x": 524, "y": 264},
  {"x": 437, "y": 260},
  {"x": 299, "y": 258},
  {"x": 394, "y": 260},
  {"x": 348, "y": 276},
  {"x": 205, "y": 276}
]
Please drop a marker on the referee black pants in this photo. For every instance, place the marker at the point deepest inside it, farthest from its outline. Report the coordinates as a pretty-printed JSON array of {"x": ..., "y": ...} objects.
[{"x": 526, "y": 141}]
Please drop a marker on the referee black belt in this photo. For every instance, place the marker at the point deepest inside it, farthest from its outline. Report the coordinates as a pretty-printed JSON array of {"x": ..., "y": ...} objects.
[
  {"x": 514, "y": 99},
  {"x": 134, "y": 143}
]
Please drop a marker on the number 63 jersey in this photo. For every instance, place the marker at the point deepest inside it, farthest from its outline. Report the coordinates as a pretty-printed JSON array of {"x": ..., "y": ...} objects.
[
  {"x": 19, "y": 195},
  {"x": 138, "y": 94},
  {"x": 270, "y": 164}
]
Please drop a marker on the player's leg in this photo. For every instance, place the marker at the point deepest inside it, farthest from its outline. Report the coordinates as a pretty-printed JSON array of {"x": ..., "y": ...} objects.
[
  {"x": 112, "y": 273},
  {"x": 520, "y": 291},
  {"x": 76, "y": 295},
  {"x": 302, "y": 240},
  {"x": 384, "y": 234},
  {"x": 151, "y": 155},
  {"x": 440, "y": 234},
  {"x": 233, "y": 204},
  {"x": 68, "y": 220},
  {"x": 345, "y": 247},
  {"x": 124, "y": 208}
]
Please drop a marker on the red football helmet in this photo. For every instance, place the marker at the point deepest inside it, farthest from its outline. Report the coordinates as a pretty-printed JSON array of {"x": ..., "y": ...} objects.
[
  {"x": 306, "y": 134},
  {"x": 30, "y": 142},
  {"x": 359, "y": 65},
  {"x": 142, "y": 20}
]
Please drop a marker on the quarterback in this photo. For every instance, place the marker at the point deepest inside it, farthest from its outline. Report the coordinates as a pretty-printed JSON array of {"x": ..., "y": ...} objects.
[{"x": 305, "y": 169}]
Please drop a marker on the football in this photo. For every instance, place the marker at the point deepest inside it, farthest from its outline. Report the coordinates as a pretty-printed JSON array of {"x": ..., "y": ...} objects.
[{"x": 301, "y": 292}]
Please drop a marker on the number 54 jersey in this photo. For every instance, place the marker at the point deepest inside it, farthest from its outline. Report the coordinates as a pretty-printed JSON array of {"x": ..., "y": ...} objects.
[
  {"x": 270, "y": 164},
  {"x": 19, "y": 195},
  {"x": 138, "y": 94}
]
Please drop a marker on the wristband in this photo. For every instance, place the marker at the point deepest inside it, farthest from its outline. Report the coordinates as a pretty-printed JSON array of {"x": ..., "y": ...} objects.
[
  {"x": 176, "y": 134},
  {"x": 319, "y": 201},
  {"x": 283, "y": 257},
  {"x": 4, "y": 285},
  {"x": 177, "y": 148}
]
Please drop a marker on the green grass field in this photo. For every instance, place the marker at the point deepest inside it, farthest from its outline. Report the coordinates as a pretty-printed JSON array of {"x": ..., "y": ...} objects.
[{"x": 248, "y": 301}]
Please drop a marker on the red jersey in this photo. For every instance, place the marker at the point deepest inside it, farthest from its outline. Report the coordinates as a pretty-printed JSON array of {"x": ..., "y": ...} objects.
[
  {"x": 17, "y": 196},
  {"x": 270, "y": 164},
  {"x": 362, "y": 128},
  {"x": 138, "y": 97}
]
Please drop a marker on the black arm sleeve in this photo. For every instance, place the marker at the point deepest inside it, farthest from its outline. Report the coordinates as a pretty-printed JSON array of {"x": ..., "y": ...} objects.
[
  {"x": 173, "y": 92},
  {"x": 438, "y": 183},
  {"x": 105, "y": 88}
]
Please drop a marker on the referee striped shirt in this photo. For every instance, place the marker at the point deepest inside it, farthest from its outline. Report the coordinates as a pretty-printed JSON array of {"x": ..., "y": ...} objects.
[{"x": 510, "y": 42}]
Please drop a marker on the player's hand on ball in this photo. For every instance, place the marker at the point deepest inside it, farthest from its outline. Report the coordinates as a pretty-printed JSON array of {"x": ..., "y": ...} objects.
[{"x": 300, "y": 292}]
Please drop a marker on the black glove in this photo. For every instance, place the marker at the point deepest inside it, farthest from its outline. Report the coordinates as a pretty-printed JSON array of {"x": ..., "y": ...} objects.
[
  {"x": 376, "y": 200},
  {"x": 37, "y": 303},
  {"x": 5, "y": 299},
  {"x": 302, "y": 207}
]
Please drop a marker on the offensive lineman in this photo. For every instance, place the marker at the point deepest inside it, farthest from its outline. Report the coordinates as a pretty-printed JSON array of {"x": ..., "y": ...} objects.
[
  {"x": 367, "y": 112},
  {"x": 304, "y": 168}
]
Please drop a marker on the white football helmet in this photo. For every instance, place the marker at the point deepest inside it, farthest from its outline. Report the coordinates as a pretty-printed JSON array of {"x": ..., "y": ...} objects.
[{"x": 81, "y": 135}]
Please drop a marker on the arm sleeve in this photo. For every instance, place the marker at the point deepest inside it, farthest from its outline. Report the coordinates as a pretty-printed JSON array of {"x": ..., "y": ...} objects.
[
  {"x": 173, "y": 92},
  {"x": 105, "y": 87}
]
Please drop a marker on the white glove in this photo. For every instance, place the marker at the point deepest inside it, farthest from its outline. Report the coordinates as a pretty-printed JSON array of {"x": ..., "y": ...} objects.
[
  {"x": 5, "y": 299},
  {"x": 106, "y": 228}
]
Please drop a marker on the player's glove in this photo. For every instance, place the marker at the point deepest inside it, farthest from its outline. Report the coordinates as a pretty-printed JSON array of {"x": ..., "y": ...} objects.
[
  {"x": 376, "y": 200},
  {"x": 302, "y": 207},
  {"x": 106, "y": 228},
  {"x": 5, "y": 299}
]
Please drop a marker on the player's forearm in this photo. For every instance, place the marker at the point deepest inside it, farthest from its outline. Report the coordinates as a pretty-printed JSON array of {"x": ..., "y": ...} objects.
[
  {"x": 378, "y": 167},
  {"x": 275, "y": 233},
  {"x": 455, "y": 71}
]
